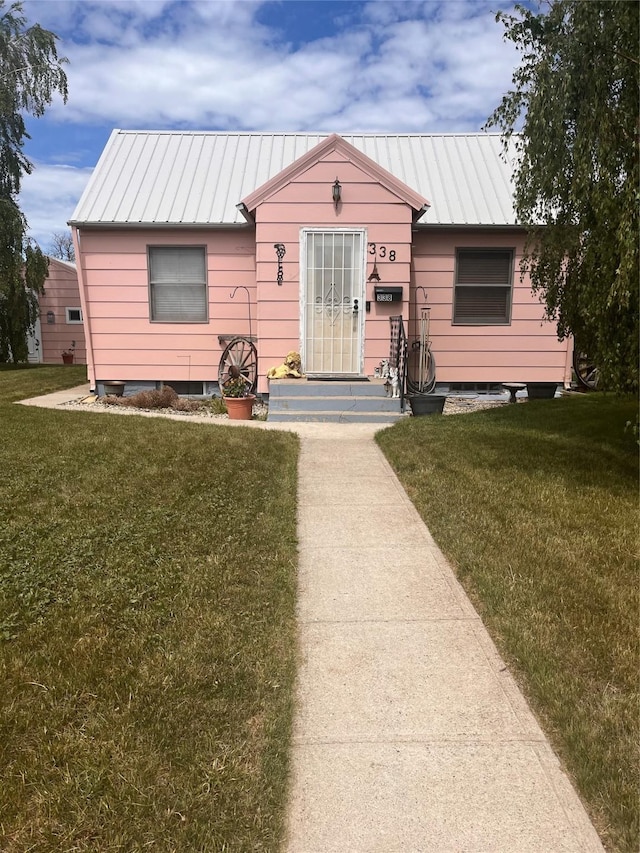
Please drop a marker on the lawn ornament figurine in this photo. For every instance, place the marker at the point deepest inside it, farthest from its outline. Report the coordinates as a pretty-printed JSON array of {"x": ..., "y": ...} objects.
[
  {"x": 290, "y": 369},
  {"x": 395, "y": 385}
]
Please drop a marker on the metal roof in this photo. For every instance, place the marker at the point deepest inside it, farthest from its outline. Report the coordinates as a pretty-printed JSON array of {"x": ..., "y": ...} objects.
[
  {"x": 198, "y": 177},
  {"x": 70, "y": 264}
]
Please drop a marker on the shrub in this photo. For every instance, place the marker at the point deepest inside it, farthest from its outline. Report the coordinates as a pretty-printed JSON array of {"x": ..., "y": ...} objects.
[
  {"x": 182, "y": 404},
  {"x": 164, "y": 398},
  {"x": 218, "y": 406}
]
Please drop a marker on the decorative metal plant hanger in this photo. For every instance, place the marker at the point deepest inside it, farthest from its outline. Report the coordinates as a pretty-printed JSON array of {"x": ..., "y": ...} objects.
[{"x": 240, "y": 356}]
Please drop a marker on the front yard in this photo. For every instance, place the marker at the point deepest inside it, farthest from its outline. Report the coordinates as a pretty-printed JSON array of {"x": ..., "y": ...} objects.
[
  {"x": 147, "y": 592},
  {"x": 147, "y": 608},
  {"x": 536, "y": 506}
]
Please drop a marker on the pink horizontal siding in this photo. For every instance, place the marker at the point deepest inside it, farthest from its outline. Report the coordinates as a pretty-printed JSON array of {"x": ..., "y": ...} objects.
[
  {"x": 306, "y": 202},
  {"x": 319, "y": 192},
  {"x": 61, "y": 291},
  {"x": 126, "y": 344},
  {"x": 130, "y": 240},
  {"x": 490, "y": 358},
  {"x": 289, "y": 232},
  {"x": 527, "y": 349},
  {"x": 473, "y": 341},
  {"x": 326, "y": 171},
  {"x": 174, "y": 359},
  {"x": 373, "y": 213}
]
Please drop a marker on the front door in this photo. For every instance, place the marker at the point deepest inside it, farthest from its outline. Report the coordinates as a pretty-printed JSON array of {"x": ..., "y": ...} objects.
[
  {"x": 34, "y": 343},
  {"x": 332, "y": 284}
]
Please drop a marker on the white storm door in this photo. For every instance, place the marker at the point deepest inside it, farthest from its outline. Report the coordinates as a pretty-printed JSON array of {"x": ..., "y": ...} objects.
[
  {"x": 34, "y": 344},
  {"x": 333, "y": 301}
]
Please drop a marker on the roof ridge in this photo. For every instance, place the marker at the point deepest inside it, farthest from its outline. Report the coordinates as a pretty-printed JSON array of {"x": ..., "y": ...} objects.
[{"x": 307, "y": 134}]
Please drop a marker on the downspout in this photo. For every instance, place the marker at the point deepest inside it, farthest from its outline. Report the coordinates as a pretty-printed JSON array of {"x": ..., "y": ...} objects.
[{"x": 84, "y": 304}]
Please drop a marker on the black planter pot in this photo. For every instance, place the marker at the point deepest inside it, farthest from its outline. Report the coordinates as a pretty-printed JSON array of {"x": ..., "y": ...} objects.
[
  {"x": 427, "y": 404},
  {"x": 541, "y": 390}
]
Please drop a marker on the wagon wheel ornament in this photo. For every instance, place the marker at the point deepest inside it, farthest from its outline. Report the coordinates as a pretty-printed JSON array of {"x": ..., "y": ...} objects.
[
  {"x": 240, "y": 358},
  {"x": 586, "y": 371}
]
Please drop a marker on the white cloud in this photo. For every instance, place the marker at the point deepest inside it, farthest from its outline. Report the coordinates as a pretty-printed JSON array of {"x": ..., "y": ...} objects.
[
  {"x": 48, "y": 198},
  {"x": 145, "y": 64},
  {"x": 390, "y": 66}
]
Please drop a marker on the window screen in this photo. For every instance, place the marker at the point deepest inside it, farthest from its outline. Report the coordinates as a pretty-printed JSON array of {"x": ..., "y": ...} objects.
[
  {"x": 483, "y": 286},
  {"x": 178, "y": 284}
]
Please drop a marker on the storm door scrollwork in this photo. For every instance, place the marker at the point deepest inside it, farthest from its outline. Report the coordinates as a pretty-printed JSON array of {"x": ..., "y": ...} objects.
[{"x": 332, "y": 304}]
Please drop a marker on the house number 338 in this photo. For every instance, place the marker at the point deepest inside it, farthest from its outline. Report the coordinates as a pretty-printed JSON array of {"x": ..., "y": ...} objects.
[{"x": 382, "y": 251}]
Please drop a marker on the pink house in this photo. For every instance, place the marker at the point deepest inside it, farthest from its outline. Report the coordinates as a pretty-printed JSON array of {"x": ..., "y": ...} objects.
[
  {"x": 60, "y": 325},
  {"x": 184, "y": 239}
]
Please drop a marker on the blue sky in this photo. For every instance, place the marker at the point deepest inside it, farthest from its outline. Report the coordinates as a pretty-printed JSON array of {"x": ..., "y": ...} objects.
[{"x": 298, "y": 65}]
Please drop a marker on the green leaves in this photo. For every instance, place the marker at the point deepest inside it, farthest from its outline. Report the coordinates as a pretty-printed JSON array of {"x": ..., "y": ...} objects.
[
  {"x": 575, "y": 97},
  {"x": 30, "y": 75}
]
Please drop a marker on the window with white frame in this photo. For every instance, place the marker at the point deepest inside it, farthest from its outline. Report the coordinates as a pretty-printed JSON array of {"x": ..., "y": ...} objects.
[
  {"x": 178, "y": 284},
  {"x": 74, "y": 315},
  {"x": 483, "y": 285}
]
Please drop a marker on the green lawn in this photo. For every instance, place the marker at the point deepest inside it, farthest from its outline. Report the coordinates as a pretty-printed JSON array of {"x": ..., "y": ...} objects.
[
  {"x": 536, "y": 506},
  {"x": 20, "y": 383},
  {"x": 147, "y": 593}
]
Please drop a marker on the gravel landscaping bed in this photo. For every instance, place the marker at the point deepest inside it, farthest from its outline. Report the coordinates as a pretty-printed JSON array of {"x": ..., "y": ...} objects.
[
  {"x": 460, "y": 405},
  {"x": 204, "y": 411},
  {"x": 453, "y": 406}
]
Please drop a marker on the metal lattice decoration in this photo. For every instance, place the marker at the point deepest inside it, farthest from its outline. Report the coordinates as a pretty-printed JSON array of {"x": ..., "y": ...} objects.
[
  {"x": 398, "y": 354},
  {"x": 332, "y": 305},
  {"x": 280, "y": 252}
]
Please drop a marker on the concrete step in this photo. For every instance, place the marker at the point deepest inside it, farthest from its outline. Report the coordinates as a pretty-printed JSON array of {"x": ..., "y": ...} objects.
[
  {"x": 334, "y": 403},
  {"x": 342, "y": 401},
  {"x": 345, "y": 417},
  {"x": 326, "y": 388}
]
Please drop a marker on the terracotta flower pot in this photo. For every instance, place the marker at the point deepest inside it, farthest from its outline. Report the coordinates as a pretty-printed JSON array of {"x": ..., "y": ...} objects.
[
  {"x": 240, "y": 408},
  {"x": 67, "y": 358}
]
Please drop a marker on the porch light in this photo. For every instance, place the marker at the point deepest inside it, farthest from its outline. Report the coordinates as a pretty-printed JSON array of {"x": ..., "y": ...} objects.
[
  {"x": 51, "y": 318},
  {"x": 336, "y": 192}
]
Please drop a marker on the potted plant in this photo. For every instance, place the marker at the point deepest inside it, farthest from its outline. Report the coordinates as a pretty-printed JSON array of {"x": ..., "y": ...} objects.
[
  {"x": 67, "y": 354},
  {"x": 238, "y": 398}
]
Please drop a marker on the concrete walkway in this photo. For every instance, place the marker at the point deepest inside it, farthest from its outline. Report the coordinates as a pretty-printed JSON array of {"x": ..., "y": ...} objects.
[{"x": 410, "y": 735}]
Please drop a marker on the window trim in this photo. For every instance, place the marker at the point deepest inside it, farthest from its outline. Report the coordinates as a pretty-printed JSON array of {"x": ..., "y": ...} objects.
[
  {"x": 71, "y": 322},
  {"x": 181, "y": 246},
  {"x": 460, "y": 250}
]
